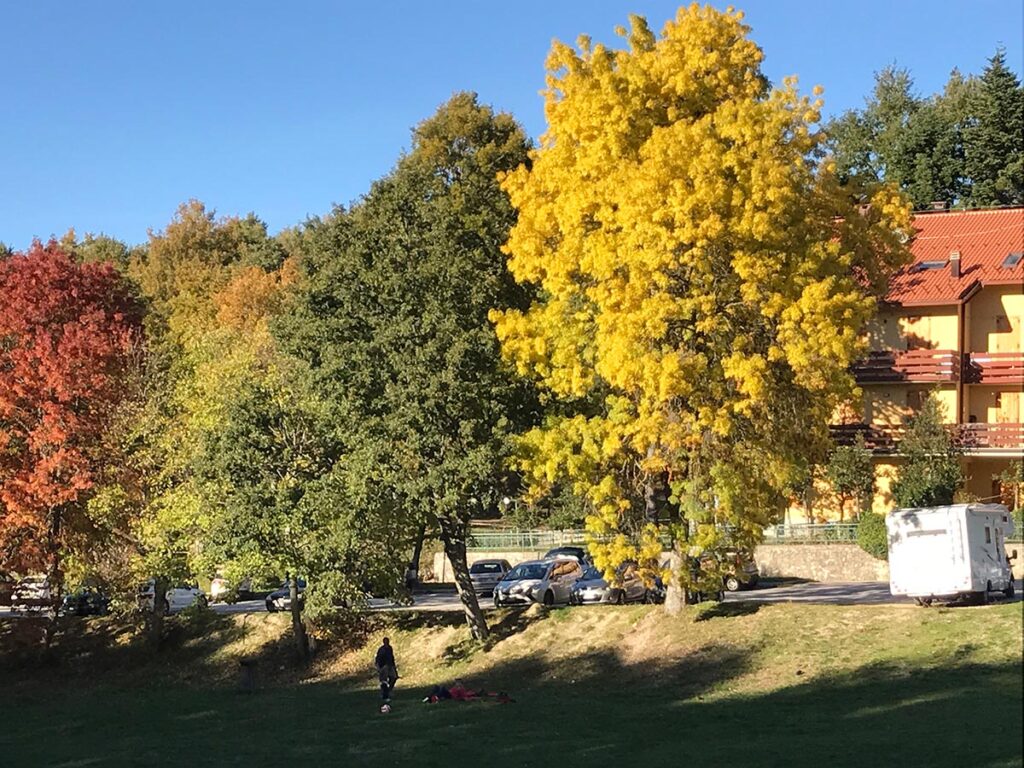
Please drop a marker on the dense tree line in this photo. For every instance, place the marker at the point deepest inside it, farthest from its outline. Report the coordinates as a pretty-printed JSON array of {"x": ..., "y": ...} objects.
[
  {"x": 963, "y": 146},
  {"x": 644, "y": 323}
]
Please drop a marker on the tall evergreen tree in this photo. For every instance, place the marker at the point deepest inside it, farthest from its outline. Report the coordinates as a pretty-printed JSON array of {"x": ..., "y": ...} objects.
[
  {"x": 994, "y": 140},
  {"x": 964, "y": 145},
  {"x": 901, "y": 138}
]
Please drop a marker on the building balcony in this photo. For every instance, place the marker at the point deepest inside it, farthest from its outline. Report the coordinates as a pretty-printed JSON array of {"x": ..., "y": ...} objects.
[
  {"x": 989, "y": 438},
  {"x": 980, "y": 439},
  {"x": 912, "y": 366},
  {"x": 994, "y": 368}
]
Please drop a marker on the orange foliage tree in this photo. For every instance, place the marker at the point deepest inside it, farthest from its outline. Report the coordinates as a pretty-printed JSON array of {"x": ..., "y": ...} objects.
[{"x": 69, "y": 334}]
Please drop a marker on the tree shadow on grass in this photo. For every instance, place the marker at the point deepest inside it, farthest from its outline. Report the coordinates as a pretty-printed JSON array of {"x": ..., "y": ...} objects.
[
  {"x": 91, "y": 648},
  {"x": 596, "y": 708},
  {"x": 727, "y": 610}
]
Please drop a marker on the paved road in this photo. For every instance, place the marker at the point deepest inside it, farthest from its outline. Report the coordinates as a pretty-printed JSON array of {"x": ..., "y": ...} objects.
[{"x": 822, "y": 593}]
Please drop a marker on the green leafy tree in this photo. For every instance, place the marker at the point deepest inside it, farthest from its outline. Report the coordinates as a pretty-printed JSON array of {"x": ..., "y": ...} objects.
[
  {"x": 930, "y": 473},
  {"x": 902, "y": 138},
  {"x": 963, "y": 145},
  {"x": 872, "y": 535},
  {"x": 392, "y": 318},
  {"x": 209, "y": 291},
  {"x": 994, "y": 139},
  {"x": 851, "y": 474},
  {"x": 273, "y": 504},
  {"x": 97, "y": 249}
]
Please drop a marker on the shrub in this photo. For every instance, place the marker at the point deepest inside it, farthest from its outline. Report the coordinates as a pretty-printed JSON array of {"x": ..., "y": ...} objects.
[{"x": 872, "y": 536}]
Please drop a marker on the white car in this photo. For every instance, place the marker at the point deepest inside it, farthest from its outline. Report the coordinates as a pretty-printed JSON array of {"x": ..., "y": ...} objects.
[
  {"x": 548, "y": 582},
  {"x": 178, "y": 598}
]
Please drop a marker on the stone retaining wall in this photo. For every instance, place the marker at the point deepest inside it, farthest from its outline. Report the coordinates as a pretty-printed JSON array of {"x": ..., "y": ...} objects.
[{"x": 819, "y": 562}]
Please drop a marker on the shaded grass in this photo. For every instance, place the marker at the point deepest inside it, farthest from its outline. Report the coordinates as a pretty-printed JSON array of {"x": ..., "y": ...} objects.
[{"x": 785, "y": 685}]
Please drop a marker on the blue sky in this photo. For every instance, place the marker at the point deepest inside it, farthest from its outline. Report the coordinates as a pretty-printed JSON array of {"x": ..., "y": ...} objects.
[{"x": 113, "y": 113}]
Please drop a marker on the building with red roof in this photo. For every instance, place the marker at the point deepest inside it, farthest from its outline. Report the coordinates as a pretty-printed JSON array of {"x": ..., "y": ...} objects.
[{"x": 951, "y": 326}]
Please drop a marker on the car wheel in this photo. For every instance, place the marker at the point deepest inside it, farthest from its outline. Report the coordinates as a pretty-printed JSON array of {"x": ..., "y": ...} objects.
[
  {"x": 271, "y": 608},
  {"x": 549, "y": 598},
  {"x": 202, "y": 602},
  {"x": 732, "y": 584},
  {"x": 620, "y": 598}
]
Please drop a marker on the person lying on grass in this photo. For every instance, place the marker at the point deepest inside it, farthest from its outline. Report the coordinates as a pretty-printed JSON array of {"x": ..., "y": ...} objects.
[{"x": 459, "y": 692}]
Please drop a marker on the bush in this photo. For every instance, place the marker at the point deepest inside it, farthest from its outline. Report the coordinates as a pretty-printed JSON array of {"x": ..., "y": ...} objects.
[{"x": 872, "y": 536}]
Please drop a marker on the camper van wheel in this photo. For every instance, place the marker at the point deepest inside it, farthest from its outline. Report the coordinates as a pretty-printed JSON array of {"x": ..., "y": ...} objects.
[{"x": 1009, "y": 591}]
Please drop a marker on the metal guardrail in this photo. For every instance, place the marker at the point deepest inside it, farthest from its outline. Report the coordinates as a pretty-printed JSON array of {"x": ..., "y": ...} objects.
[
  {"x": 798, "y": 533},
  {"x": 803, "y": 533},
  {"x": 520, "y": 540}
]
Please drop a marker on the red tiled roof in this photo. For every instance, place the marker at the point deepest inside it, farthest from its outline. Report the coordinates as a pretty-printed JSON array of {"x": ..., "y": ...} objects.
[{"x": 983, "y": 237}]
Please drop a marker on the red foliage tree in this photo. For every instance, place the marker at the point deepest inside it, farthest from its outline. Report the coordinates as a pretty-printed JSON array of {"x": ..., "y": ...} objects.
[{"x": 68, "y": 334}]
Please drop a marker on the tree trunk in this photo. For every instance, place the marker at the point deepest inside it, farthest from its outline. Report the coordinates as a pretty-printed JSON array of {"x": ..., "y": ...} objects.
[
  {"x": 453, "y": 536},
  {"x": 414, "y": 564},
  {"x": 677, "y": 595},
  {"x": 55, "y": 580},
  {"x": 298, "y": 627},
  {"x": 160, "y": 608}
]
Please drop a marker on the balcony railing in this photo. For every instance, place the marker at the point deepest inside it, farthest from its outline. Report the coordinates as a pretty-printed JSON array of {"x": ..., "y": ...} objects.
[
  {"x": 882, "y": 438},
  {"x": 878, "y": 438},
  {"x": 994, "y": 368},
  {"x": 970, "y": 437},
  {"x": 914, "y": 365}
]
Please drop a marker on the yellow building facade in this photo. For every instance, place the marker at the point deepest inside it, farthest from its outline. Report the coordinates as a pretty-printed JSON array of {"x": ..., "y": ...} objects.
[{"x": 951, "y": 326}]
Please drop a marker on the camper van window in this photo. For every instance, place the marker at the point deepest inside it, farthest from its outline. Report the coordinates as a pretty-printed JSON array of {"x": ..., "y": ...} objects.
[{"x": 988, "y": 535}]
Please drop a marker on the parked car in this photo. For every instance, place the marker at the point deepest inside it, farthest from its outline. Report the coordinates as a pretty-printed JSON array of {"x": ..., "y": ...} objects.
[
  {"x": 579, "y": 554},
  {"x": 538, "y": 581},
  {"x": 485, "y": 575},
  {"x": 87, "y": 601},
  {"x": 628, "y": 587},
  {"x": 280, "y": 599},
  {"x": 178, "y": 597},
  {"x": 740, "y": 570},
  {"x": 31, "y": 594}
]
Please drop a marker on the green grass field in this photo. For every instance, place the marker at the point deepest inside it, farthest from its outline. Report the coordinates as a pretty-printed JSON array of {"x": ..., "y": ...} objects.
[{"x": 779, "y": 685}]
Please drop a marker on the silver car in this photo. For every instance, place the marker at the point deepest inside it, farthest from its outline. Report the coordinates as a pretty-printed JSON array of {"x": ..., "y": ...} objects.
[
  {"x": 627, "y": 587},
  {"x": 485, "y": 574},
  {"x": 548, "y": 582}
]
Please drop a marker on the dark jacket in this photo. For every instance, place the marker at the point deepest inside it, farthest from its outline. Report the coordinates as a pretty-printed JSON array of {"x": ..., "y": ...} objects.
[{"x": 385, "y": 656}]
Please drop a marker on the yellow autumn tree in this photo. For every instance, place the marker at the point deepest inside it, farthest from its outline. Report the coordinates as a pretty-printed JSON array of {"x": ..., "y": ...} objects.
[{"x": 703, "y": 279}]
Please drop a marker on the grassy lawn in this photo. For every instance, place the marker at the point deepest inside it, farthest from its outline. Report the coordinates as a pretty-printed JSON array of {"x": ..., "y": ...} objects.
[{"x": 779, "y": 685}]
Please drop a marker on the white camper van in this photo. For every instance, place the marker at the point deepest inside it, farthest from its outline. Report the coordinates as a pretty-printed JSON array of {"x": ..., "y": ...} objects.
[{"x": 940, "y": 553}]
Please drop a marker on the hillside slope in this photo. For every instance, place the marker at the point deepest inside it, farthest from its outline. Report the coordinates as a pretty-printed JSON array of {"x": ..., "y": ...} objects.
[{"x": 769, "y": 685}]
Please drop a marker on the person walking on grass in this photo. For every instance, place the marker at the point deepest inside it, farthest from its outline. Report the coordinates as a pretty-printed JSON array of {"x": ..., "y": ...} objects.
[{"x": 387, "y": 672}]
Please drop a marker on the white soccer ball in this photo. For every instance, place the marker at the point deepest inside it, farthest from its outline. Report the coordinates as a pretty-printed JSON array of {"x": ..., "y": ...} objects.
[{"x": 385, "y": 708}]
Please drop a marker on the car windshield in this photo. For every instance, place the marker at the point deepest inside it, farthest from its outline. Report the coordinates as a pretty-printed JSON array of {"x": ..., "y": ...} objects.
[
  {"x": 527, "y": 571},
  {"x": 485, "y": 568},
  {"x": 592, "y": 574}
]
